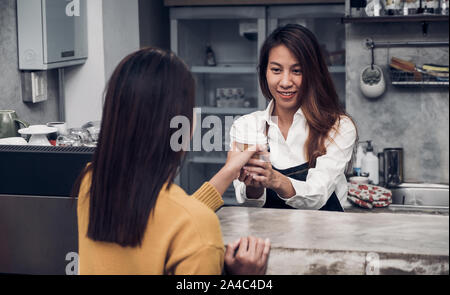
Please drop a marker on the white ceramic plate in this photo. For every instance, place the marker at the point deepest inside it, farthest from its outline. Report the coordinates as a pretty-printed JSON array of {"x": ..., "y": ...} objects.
[
  {"x": 13, "y": 141},
  {"x": 37, "y": 129}
]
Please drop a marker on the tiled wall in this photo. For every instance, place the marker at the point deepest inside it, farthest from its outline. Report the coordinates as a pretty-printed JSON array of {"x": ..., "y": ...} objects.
[
  {"x": 10, "y": 87},
  {"x": 415, "y": 118}
]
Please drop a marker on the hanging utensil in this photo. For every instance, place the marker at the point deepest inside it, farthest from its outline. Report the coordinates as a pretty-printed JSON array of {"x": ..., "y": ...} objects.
[{"x": 372, "y": 82}]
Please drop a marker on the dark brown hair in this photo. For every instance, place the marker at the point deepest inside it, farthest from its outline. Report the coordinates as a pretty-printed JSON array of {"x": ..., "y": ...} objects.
[
  {"x": 318, "y": 98},
  {"x": 133, "y": 159}
]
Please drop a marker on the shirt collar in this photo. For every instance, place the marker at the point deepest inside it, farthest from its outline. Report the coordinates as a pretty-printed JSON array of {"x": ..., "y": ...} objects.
[{"x": 268, "y": 112}]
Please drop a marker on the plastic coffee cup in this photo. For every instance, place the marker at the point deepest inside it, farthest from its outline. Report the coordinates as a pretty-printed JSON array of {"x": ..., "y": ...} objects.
[
  {"x": 245, "y": 146},
  {"x": 247, "y": 134}
]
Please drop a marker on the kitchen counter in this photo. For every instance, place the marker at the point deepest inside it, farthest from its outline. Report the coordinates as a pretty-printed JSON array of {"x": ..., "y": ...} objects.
[
  {"x": 321, "y": 242},
  {"x": 401, "y": 209}
]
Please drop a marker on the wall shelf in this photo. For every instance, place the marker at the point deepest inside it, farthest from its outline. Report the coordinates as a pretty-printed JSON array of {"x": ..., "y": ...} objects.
[
  {"x": 244, "y": 69},
  {"x": 428, "y": 83},
  {"x": 227, "y": 111},
  {"x": 401, "y": 78},
  {"x": 207, "y": 160},
  {"x": 224, "y": 70},
  {"x": 423, "y": 19},
  {"x": 395, "y": 19},
  {"x": 337, "y": 69}
]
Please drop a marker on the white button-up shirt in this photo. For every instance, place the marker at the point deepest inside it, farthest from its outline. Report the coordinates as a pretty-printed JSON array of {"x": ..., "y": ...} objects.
[{"x": 322, "y": 180}]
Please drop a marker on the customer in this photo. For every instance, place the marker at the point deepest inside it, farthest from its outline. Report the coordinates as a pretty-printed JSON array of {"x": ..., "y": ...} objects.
[
  {"x": 132, "y": 218},
  {"x": 310, "y": 136}
]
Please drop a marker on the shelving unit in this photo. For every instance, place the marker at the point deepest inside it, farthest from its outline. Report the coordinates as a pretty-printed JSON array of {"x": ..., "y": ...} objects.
[
  {"x": 396, "y": 19},
  {"x": 236, "y": 35},
  {"x": 337, "y": 69},
  {"x": 227, "y": 111},
  {"x": 208, "y": 160},
  {"x": 423, "y": 19},
  {"x": 245, "y": 69},
  {"x": 224, "y": 70},
  {"x": 419, "y": 83}
]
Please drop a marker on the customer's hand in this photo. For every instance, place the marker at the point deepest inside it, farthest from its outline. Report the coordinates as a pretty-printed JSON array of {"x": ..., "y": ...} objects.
[
  {"x": 247, "y": 256},
  {"x": 236, "y": 159},
  {"x": 246, "y": 176}
]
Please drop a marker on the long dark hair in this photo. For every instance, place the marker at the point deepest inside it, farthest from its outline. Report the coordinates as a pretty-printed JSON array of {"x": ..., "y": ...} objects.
[
  {"x": 133, "y": 159},
  {"x": 318, "y": 97}
]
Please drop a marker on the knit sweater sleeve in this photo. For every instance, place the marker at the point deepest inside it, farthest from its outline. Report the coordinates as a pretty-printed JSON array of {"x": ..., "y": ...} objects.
[
  {"x": 207, "y": 261},
  {"x": 208, "y": 195}
]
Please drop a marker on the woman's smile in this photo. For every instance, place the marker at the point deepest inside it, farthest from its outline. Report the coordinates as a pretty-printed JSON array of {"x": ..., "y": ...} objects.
[{"x": 287, "y": 94}]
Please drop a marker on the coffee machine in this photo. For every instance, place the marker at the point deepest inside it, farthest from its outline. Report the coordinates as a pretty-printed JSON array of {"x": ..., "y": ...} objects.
[
  {"x": 391, "y": 167},
  {"x": 38, "y": 228}
]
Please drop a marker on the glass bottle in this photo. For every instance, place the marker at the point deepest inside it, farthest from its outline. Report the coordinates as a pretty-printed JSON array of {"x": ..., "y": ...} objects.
[{"x": 210, "y": 56}]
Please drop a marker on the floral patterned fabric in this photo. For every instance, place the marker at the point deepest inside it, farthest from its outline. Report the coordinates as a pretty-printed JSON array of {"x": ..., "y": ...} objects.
[{"x": 369, "y": 196}]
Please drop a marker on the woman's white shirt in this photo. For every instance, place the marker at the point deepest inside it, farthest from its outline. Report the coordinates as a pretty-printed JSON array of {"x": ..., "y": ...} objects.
[{"x": 324, "y": 179}]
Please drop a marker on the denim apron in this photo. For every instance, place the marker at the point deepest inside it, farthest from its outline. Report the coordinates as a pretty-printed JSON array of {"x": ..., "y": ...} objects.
[{"x": 298, "y": 173}]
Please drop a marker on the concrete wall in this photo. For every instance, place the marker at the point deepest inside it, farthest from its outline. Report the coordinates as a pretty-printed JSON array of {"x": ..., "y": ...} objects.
[
  {"x": 414, "y": 118},
  {"x": 10, "y": 85},
  {"x": 84, "y": 84},
  {"x": 120, "y": 31},
  {"x": 113, "y": 32}
]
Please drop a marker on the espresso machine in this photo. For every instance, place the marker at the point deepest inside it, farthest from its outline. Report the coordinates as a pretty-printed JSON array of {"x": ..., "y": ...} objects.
[
  {"x": 391, "y": 167},
  {"x": 38, "y": 220}
]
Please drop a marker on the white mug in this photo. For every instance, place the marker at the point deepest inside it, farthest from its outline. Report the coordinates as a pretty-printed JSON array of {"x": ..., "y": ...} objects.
[{"x": 61, "y": 126}]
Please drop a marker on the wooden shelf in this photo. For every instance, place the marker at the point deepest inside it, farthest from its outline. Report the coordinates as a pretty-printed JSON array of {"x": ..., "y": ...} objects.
[{"x": 395, "y": 19}]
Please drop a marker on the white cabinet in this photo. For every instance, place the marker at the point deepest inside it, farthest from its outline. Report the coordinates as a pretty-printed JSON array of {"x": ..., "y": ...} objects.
[
  {"x": 51, "y": 33},
  {"x": 235, "y": 34}
]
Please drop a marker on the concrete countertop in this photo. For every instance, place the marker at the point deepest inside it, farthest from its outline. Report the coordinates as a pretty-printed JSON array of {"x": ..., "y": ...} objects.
[
  {"x": 401, "y": 209},
  {"x": 320, "y": 242}
]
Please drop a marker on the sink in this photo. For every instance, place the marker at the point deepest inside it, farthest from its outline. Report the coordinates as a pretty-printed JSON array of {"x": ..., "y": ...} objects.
[{"x": 421, "y": 194}]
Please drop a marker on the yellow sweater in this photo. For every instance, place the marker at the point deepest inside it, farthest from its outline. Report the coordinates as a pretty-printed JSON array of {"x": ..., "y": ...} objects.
[{"x": 182, "y": 237}]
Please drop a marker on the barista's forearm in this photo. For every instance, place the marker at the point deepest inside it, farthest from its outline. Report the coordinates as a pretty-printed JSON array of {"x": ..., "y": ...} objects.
[{"x": 283, "y": 187}]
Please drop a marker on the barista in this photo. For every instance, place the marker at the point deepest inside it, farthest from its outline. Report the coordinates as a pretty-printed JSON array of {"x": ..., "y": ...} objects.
[{"x": 310, "y": 137}]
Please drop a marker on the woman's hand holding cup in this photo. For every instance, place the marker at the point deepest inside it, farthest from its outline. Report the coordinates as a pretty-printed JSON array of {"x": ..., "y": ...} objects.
[
  {"x": 257, "y": 160},
  {"x": 238, "y": 157}
]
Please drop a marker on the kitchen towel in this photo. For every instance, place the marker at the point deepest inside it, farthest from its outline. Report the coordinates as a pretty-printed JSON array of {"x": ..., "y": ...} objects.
[{"x": 369, "y": 196}]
